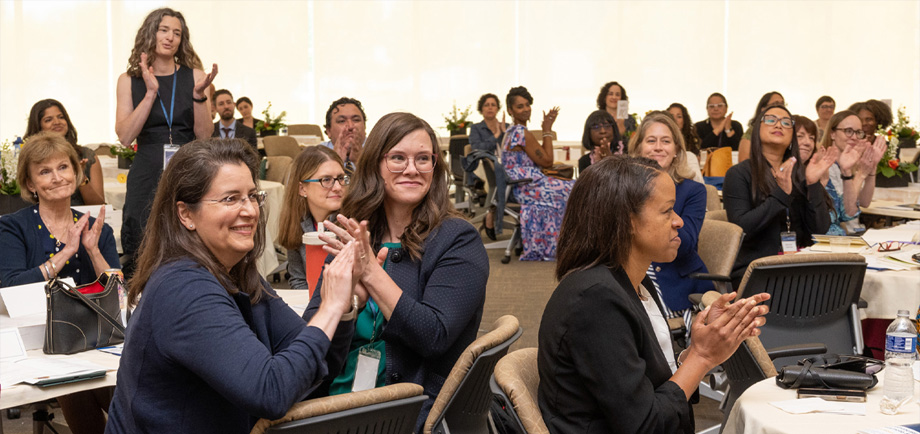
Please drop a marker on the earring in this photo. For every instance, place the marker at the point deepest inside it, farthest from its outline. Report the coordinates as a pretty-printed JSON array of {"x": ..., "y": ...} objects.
[
  {"x": 35, "y": 195},
  {"x": 191, "y": 226}
]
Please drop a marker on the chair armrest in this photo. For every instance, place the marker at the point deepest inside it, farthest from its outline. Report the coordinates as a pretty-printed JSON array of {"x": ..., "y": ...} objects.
[
  {"x": 862, "y": 304},
  {"x": 708, "y": 276},
  {"x": 796, "y": 350}
]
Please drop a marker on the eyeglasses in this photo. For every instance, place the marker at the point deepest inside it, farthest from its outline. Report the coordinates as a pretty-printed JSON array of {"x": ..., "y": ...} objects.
[
  {"x": 329, "y": 182},
  {"x": 603, "y": 126},
  {"x": 860, "y": 134},
  {"x": 235, "y": 201},
  {"x": 770, "y": 120},
  {"x": 715, "y": 106},
  {"x": 889, "y": 246},
  {"x": 826, "y": 107},
  {"x": 397, "y": 163}
]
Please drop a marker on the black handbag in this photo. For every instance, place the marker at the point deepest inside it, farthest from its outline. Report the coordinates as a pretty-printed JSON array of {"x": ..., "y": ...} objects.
[
  {"x": 85, "y": 317},
  {"x": 831, "y": 372}
]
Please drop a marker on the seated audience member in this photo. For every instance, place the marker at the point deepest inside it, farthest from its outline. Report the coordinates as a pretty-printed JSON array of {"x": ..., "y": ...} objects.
[
  {"x": 658, "y": 138},
  {"x": 599, "y": 133},
  {"x": 49, "y": 239},
  {"x": 485, "y": 138},
  {"x": 312, "y": 193},
  {"x": 228, "y": 127},
  {"x": 825, "y": 108},
  {"x": 718, "y": 130},
  {"x": 422, "y": 310},
  {"x": 682, "y": 117},
  {"x": 605, "y": 357},
  {"x": 244, "y": 106},
  {"x": 806, "y": 133},
  {"x": 542, "y": 199},
  {"x": 50, "y": 115},
  {"x": 210, "y": 346},
  {"x": 768, "y": 99},
  {"x": 772, "y": 192},
  {"x": 345, "y": 124},
  {"x": 608, "y": 99},
  {"x": 851, "y": 180},
  {"x": 873, "y": 114}
]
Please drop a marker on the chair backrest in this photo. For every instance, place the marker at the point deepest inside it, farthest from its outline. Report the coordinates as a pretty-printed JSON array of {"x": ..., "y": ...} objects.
[
  {"x": 516, "y": 381},
  {"x": 305, "y": 130},
  {"x": 455, "y": 149},
  {"x": 281, "y": 145},
  {"x": 718, "y": 245},
  {"x": 811, "y": 299},
  {"x": 539, "y": 135},
  {"x": 713, "y": 201},
  {"x": 462, "y": 406},
  {"x": 719, "y": 214},
  {"x": 278, "y": 168},
  {"x": 390, "y": 409}
]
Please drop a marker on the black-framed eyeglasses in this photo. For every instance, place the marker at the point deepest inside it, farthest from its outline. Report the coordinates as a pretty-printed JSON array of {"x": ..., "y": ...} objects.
[
  {"x": 715, "y": 106},
  {"x": 860, "y": 134},
  {"x": 329, "y": 181},
  {"x": 398, "y": 163},
  {"x": 236, "y": 201},
  {"x": 771, "y": 120},
  {"x": 601, "y": 126}
]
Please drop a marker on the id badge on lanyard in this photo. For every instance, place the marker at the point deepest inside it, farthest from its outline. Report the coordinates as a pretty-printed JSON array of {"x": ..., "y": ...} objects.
[
  {"x": 368, "y": 358},
  {"x": 788, "y": 238},
  {"x": 169, "y": 149}
]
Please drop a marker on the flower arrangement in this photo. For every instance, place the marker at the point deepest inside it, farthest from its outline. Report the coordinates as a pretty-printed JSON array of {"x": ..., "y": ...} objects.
[
  {"x": 270, "y": 123},
  {"x": 457, "y": 120},
  {"x": 890, "y": 165},
  {"x": 9, "y": 159},
  {"x": 902, "y": 128},
  {"x": 122, "y": 151}
]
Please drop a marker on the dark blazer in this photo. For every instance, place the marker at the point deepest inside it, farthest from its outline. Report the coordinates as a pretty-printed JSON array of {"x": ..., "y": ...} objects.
[
  {"x": 710, "y": 140},
  {"x": 601, "y": 367},
  {"x": 437, "y": 316},
  {"x": 242, "y": 132},
  {"x": 673, "y": 277}
]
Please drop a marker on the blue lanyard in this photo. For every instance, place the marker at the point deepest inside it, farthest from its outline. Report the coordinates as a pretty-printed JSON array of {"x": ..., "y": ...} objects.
[{"x": 172, "y": 105}]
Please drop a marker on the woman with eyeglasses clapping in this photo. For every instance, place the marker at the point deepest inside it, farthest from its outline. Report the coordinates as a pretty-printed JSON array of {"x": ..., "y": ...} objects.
[
  {"x": 719, "y": 130},
  {"x": 601, "y": 138}
]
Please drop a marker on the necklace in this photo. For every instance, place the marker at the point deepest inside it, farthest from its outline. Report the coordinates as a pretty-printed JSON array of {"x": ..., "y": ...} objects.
[{"x": 57, "y": 240}]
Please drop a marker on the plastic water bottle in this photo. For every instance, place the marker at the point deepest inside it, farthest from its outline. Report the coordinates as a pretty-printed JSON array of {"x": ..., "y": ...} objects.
[{"x": 900, "y": 353}]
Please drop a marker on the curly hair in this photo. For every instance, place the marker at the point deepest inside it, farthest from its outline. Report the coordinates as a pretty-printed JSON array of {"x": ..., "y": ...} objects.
[
  {"x": 520, "y": 91},
  {"x": 602, "y": 97},
  {"x": 35, "y": 120},
  {"x": 340, "y": 102},
  {"x": 146, "y": 42},
  {"x": 484, "y": 98},
  {"x": 880, "y": 111}
]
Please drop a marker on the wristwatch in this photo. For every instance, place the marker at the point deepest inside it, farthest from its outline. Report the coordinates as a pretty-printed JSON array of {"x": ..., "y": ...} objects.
[{"x": 353, "y": 313}]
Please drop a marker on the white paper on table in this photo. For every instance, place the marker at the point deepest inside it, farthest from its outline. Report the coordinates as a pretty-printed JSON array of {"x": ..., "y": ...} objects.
[
  {"x": 818, "y": 405},
  {"x": 11, "y": 346},
  {"x": 26, "y": 299},
  {"x": 898, "y": 233},
  {"x": 877, "y": 263},
  {"x": 31, "y": 370}
]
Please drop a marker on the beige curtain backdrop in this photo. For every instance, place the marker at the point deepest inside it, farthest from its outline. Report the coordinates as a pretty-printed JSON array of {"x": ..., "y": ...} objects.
[{"x": 422, "y": 56}]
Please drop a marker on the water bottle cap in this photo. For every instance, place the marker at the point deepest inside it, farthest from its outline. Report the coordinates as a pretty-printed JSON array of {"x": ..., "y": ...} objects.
[{"x": 903, "y": 312}]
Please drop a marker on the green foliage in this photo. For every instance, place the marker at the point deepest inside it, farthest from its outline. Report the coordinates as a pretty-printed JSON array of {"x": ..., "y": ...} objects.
[
  {"x": 270, "y": 123},
  {"x": 457, "y": 120}
]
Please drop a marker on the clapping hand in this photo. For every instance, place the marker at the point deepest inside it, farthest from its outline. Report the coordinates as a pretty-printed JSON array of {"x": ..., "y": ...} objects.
[
  {"x": 150, "y": 80},
  {"x": 549, "y": 119},
  {"x": 720, "y": 328},
  {"x": 89, "y": 236},
  {"x": 819, "y": 163},
  {"x": 201, "y": 85},
  {"x": 871, "y": 156},
  {"x": 338, "y": 280},
  {"x": 784, "y": 175},
  {"x": 851, "y": 154}
]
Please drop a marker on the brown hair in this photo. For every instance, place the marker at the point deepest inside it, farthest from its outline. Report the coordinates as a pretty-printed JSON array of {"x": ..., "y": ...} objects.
[
  {"x": 678, "y": 170},
  {"x": 823, "y": 100},
  {"x": 295, "y": 207},
  {"x": 146, "y": 42},
  {"x": 187, "y": 178},
  {"x": 602, "y": 96},
  {"x": 615, "y": 189},
  {"x": 803, "y": 122},
  {"x": 39, "y": 147},
  {"x": 35, "y": 120},
  {"x": 691, "y": 138},
  {"x": 880, "y": 111},
  {"x": 364, "y": 200},
  {"x": 832, "y": 123}
]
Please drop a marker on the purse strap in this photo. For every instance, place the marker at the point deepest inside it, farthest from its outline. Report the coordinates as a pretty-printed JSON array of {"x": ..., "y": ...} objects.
[{"x": 95, "y": 307}]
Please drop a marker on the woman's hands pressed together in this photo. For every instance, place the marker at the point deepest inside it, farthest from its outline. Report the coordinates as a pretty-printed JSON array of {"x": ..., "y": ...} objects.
[{"x": 720, "y": 329}]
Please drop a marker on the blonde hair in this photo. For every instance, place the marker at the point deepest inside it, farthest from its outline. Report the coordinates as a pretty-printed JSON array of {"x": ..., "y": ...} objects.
[
  {"x": 146, "y": 42},
  {"x": 678, "y": 170},
  {"x": 40, "y": 147},
  {"x": 295, "y": 207}
]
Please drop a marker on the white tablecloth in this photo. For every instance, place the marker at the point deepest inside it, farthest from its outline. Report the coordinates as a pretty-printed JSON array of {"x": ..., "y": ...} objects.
[
  {"x": 909, "y": 194},
  {"x": 753, "y": 414}
]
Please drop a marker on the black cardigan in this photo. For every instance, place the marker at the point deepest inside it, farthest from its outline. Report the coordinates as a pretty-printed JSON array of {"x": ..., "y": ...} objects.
[
  {"x": 710, "y": 140},
  {"x": 601, "y": 367}
]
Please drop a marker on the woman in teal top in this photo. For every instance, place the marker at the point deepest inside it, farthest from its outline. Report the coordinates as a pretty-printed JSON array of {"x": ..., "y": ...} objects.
[{"x": 417, "y": 313}]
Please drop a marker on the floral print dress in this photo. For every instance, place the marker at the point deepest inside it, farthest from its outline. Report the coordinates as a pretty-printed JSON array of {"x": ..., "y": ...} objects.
[{"x": 542, "y": 200}]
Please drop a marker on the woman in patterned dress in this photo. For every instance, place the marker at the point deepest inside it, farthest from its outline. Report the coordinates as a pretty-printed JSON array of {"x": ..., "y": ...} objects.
[{"x": 543, "y": 199}]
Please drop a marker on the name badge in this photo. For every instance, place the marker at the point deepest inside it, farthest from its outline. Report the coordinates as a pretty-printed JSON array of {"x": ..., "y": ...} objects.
[
  {"x": 789, "y": 245},
  {"x": 168, "y": 152},
  {"x": 366, "y": 370}
]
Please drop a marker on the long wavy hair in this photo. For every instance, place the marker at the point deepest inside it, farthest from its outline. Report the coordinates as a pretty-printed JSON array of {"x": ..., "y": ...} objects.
[
  {"x": 615, "y": 189},
  {"x": 691, "y": 138},
  {"x": 365, "y": 197},
  {"x": 762, "y": 106},
  {"x": 678, "y": 170},
  {"x": 35, "y": 120},
  {"x": 602, "y": 95},
  {"x": 295, "y": 207},
  {"x": 146, "y": 42},
  {"x": 187, "y": 178}
]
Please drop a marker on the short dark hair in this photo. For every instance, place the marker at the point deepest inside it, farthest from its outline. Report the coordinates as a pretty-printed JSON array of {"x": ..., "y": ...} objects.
[
  {"x": 691, "y": 139},
  {"x": 520, "y": 91},
  {"x": 340, "y": 102},
  {"x": 596, "y": 117},
  {"x": 800, "y": 121},
  {"x": 823, "y": 100},
  {"x": 484, "y": 98},
  {"x": 35, "y": 120},
  {"x": 243, "y": 99},
  {"x": 219, "y": 93},
  {"x": 718, "y": 95},
  {"x": 614, "y": 190},
  {"x": 602, "y": 97}
]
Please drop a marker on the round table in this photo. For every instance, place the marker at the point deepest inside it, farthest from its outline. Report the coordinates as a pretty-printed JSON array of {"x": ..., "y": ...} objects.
[{"x": 753, "y": 414}]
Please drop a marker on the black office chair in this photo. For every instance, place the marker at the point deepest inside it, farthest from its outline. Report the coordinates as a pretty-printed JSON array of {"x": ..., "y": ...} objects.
[{"x": 463, "y": 194}]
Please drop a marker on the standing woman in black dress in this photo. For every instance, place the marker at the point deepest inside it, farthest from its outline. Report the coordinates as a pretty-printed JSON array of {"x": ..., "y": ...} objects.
[{"x": 163, "y": 104}]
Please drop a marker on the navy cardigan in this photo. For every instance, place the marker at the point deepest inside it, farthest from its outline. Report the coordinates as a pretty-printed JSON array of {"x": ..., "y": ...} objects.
[
  {"x": 436, "y": 317},
  {"x": 20, "y": 241}
]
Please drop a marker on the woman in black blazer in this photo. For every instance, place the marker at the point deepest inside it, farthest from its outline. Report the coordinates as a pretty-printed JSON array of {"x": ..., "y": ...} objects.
[
  {"x": 605, "y": 358},
  {"x": 420, "y": 301}
]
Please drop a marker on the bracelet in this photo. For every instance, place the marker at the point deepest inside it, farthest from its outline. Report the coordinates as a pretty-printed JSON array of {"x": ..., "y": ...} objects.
[
  {"x": 53, "y": 267},
  {"x": 203, "y": 99},
  {"x": 47, "y": 270},
  {"x": 353, "y": 313},
  {"x": 547, "y": 134}
]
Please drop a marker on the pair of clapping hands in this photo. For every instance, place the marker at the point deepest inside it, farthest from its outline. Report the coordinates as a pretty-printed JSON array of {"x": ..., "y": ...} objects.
[
  {"x": 720, "y": 328},
  {"x": 354, "y": 257},
  {"x": 83, "y": 233}
]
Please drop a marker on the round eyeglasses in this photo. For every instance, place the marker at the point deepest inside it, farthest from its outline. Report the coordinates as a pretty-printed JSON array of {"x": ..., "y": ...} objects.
[
  {"x": 601, "y": 126},
  {"x": 771, "y": 120},
  {"x": 398, "y": 163},
  {"x": 237, "y": 201},
  {"x": 328, "y": 181},
  {"x": 860, "y": 134}
]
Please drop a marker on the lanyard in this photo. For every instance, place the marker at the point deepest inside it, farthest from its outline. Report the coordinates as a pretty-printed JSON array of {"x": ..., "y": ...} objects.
[
  {"x": 374, "y": 310},
  {"x": 172, "y": 105},
  {"x": 788, "y": 222}
]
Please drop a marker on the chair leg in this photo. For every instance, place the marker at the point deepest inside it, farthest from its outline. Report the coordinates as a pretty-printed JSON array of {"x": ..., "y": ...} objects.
[{"x": 512, "y": 244}]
